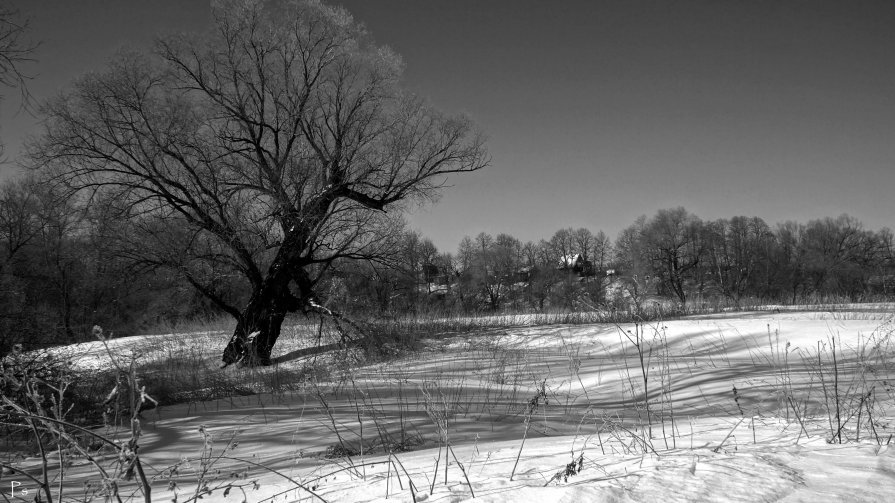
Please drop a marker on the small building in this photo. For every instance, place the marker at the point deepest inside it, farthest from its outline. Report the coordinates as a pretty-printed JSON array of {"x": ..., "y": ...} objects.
[{"x": 578, "y": 264}]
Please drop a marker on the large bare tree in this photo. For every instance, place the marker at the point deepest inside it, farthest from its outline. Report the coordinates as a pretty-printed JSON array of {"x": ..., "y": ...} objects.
[
  {"x": 281, "y": 138},
  {"x": 15, "y": 52}
]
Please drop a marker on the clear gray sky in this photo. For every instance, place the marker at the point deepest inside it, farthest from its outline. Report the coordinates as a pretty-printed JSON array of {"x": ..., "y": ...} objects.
[{"x": 601, "y": 111}]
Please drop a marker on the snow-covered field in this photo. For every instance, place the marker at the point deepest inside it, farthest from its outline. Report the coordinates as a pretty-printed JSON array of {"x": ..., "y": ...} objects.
[{"x": 734, "y": 407}]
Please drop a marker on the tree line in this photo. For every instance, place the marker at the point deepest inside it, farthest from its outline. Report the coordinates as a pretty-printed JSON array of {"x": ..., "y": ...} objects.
[
  {"x": 673, "y": 256},
  {"x": 69, "y": 263}
]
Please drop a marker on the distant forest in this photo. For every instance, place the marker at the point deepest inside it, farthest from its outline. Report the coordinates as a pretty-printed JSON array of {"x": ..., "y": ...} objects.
[{"x": 70, "y": 263}]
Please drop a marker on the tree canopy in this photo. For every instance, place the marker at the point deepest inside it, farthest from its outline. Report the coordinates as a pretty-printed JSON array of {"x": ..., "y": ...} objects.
[{"x": 276, "y": 142}]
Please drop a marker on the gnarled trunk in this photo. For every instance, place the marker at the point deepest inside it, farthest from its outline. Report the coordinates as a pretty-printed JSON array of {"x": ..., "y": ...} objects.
[
  {"x": 257, "y": 330},
  {"x": 258, "y": 326}
]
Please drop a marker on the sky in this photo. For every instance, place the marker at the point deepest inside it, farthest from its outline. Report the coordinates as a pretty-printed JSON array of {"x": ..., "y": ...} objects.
[{"x": 597, "y": 112}]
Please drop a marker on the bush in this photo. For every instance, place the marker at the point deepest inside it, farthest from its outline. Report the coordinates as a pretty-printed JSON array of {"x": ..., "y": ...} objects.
[{"x": 44, "y": 383}]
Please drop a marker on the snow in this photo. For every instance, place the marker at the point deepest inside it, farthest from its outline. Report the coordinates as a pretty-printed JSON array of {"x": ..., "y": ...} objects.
[{"x": 707, "y": 443}]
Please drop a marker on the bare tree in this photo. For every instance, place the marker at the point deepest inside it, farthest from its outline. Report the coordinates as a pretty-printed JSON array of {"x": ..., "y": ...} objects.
[
  {"x": 486, "y": 270},
  {"x": 791, "y": 258},
  {"x": 281, "y": 138},
  {"x": 506, "y": 257},
  {"x": 674, "y": 248},
  {"x": 542, "y": 270},
  {"x": 602, "y": 251},
  {"x": 564, "y": 246},
  {"x": 15, "y": 51},
  {"x": 584, "y": 242},
  {"x": 428, "y": 263},
  {"x": 20, "y": 222},
  {"x": 736, "y": 253},
  {"x": 840, "y": 254},
  {"x": 668, "y": 246}
]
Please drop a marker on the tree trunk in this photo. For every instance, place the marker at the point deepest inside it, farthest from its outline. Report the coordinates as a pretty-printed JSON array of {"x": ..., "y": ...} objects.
[
  {"x": 259, "y": 324},
  {"x": 256, "y": 330}
]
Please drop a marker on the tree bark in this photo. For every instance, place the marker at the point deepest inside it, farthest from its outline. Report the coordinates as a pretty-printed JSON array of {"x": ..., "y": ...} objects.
[
  {"x": 257, "y": 330},
  {"x": 258, "y": 325},
  {"x": 260, "y": 322}
]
